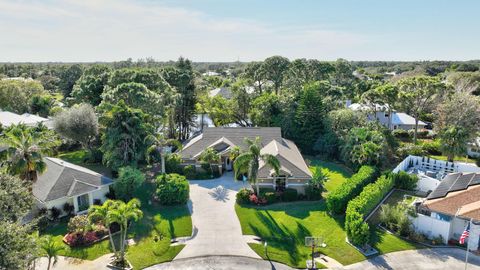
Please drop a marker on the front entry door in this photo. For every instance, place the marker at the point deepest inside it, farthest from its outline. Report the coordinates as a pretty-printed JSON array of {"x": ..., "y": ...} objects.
[
  {"x": 280, "y": 183},
  {"x": 228, "y": 164}
]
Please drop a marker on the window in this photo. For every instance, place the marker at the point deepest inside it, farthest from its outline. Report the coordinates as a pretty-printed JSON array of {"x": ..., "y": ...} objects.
[
  {"x": 280, "y": 183},
  {"x": 83, "y": 202},
  {"x": 442, "y": 217}
]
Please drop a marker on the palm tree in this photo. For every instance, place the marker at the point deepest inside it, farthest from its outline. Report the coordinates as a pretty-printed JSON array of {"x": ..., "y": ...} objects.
[
  {"x": 121, "y": 213},
  {"x": 158, "y": 143},
  {"x": 25, "y": 149},
  {"x": 51, "y": 248},
  {"x": 98, "y": 213},
  {"x": 210, "y": 156},
  {"x": 249, "y": 161}
]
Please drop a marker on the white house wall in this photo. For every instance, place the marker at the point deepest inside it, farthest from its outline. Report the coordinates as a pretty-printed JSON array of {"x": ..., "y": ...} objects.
[
  {"x": 59, "y": 203},
  {"x": 100, "y": 193},
  {"x": 431, "y": 227}
]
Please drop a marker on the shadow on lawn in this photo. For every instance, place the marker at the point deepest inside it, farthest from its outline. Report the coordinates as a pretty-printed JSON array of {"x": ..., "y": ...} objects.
[{"x": 280, "y": 236}]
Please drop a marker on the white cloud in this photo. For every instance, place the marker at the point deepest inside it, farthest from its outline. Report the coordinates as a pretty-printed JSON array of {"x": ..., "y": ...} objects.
[{"x": 93, "y": 30}]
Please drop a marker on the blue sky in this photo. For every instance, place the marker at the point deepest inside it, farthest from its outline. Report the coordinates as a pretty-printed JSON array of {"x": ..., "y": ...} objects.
[{"x": 223, "y": 30}]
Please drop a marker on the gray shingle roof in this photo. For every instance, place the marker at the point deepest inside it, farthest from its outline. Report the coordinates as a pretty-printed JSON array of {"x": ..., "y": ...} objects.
[
  {"x": 64, "y": 179},
  {"x": 271, "y": 142}
]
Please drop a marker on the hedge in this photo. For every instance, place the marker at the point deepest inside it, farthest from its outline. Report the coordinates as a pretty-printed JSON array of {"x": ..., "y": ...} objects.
[
  {"x": 362, "y": 205},
  {"x": 338, "y": 199},
  {"x": 406, "y": 181}
]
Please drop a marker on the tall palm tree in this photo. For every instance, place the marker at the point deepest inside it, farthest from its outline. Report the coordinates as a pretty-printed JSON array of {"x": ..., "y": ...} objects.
[
  {"x": 249, "y": 161},
  {"x": 25, "y": 149},
  {"x": 158, "y": 143},
  {"x": 121, "y": 213},
  {"x": 51, "y": 248},
  {"x": 98, "y": 213}
]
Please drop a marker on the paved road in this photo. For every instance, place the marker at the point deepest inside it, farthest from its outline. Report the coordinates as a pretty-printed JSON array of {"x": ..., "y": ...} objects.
[
  {"x": 425, "y": 259},
  {"x": 216, "y": 228},
  {"x": 220, "y": 263}
]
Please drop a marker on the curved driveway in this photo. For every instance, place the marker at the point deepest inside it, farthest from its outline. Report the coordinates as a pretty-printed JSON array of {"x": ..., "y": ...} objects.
[{"x": 216, "y": 228}]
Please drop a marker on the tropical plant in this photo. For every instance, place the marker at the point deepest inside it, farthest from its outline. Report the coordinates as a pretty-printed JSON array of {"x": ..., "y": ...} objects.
[
  {"x": 122, "y": 213},
  {"x": 210, "y": 156},
  {"x": 51, "y": 249},
  {"x": 15, "y": 197},
  {"x": 158, "y": 143},
  {"x": 249, "y": 161},
  {"x": 25, "y": 149},
  {"x": 172, "y": 189},
  {"x": 99, "y": 214},
  {"x": 129, "y": 179}
]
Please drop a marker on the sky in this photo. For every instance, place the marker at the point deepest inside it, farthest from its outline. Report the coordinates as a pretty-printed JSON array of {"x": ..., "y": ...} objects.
[{"x": 238, "y": 30}]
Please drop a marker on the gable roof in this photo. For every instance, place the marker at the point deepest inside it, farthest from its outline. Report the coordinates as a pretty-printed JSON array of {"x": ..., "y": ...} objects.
[
  {"x": 291, "y": 160},
  {"x": 400, "y": 118},
  {"x": 271, "y": 141},
  {"x": 64, "y": 179},
  {"x": 234, "y": 135},
  {"x": 465, "y": 203},
  {"x": 8, "y": 118}
]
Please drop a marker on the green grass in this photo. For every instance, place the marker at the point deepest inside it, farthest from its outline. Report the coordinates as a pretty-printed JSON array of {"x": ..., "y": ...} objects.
[
  {"x": 385, "y": 242},
  {"x": 457, "y": 158},
  {"x": 337, "y": 173},
  {"x": 166, "y": 222}
]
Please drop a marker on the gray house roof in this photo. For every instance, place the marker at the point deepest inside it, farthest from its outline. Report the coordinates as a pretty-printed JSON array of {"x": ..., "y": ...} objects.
[
  {"x": 224, "y": 138},
  {"x": 64, "y": 179},
  {"x": 223, "y": 92}
]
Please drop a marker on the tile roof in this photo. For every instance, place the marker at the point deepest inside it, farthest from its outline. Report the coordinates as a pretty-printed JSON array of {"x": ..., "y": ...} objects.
[
  {"x": 64, "y": 179},
  {"x": 465, "y": 203}
]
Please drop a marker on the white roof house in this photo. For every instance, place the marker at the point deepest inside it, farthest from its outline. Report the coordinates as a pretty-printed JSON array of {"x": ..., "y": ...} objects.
[
  {"x": 8, "y": 118},
  {"x": 377, "y": 112}
]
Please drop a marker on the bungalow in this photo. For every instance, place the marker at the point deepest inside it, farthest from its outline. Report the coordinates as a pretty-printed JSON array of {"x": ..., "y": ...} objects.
[
  {"x": 448, "y": 209},
  {"x": 8, "y": 118},
  {"x": 294, "y": 172},
  {"x": 64, "y": 182},
  {"x": 380, "y": 113}
]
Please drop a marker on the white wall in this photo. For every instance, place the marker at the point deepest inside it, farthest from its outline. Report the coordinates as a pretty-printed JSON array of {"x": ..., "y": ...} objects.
[
  {"x": 431, "y": 227},
  {"x": 100, "y": 194},
  {"x": 439, "y": 164},
  {"x": 59, "y": 203}
]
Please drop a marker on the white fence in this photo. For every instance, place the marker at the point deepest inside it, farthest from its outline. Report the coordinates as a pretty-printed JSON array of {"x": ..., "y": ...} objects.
[
  {"x": 431, "y": 227},
  {"x": 435, "y": 165}
]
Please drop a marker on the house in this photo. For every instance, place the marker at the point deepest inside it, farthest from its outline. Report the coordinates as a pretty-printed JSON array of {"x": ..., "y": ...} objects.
[
  {"x": 380, "y": 113},
  {"x": 64, "y": 182},
  {"x": 448, "y": 209},
  {"x": 224, "y": 92},
  {"x": 294, "y": 172},
  {"x": 473, "y": 149},
  {"x": 8, "y": 118}
]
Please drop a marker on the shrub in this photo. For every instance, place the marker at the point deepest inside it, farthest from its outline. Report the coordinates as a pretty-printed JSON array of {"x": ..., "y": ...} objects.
[
  {"x": 432, "y": 147},
  {"x": 271, "y": 197},
  {"x": 290, "y": 195},
  {"x": 421, "y": 133},
  {"x": 363, "y": 204},
  {"x": 253, "y": 199},
  {"x": 264, "y": 190},
  {"x": 54, "y": 213},
  {"x": 243, "y": 196},
  {"x": 42, "y": 223},
  {"x": 404, "y": 180},
  {"x": 172, "y": 164},
  {"x": 78, "y": 224},
  {"x": 401, "y": 134},
  {"x": 313, "y": 193},
  {"x": 410, "y": 149},
  {"x": 205, "y": 166},
  {"x": 338, "y": 199},
  {"x": 477, "y": 161},
  {"x": 189, "y": 171},
  {"x": 395, "y": 219},
  {"x": 97, "y": 202},
  {"x": 68, "y": 209},
  {"x": 172, "y": 189},
  {"x": 129, "y": 179}
]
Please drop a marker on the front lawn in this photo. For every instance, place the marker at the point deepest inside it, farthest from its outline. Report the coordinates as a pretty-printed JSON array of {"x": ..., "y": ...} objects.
[
  {"x": 337, "y": 173},
  {"x": 457, "y": 159}
]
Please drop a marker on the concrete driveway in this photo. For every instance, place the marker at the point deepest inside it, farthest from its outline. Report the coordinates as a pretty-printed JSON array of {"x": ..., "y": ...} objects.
[
  {"x": 216, "y": 228},
  {"x": 434, "y": 259}
]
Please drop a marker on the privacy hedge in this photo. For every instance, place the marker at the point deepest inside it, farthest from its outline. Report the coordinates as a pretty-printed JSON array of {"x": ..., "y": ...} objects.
[
  {"x": 338, "y": 199},
  {"x": 362, "y": 205},
  {"x": 406, "y": 181}
]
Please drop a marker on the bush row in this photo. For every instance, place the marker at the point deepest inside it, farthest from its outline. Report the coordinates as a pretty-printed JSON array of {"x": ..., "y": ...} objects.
[
  {"x": 337, "y": 200},
  {"x": 358, "y": 208},
  {"x": 268, "y": 196}
]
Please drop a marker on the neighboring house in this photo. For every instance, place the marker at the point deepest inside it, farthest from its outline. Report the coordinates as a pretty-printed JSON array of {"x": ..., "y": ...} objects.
[
  {"x": 380, "y": 113},
  {"x": 8, "y": 118},
  {"x": 210, "y": 73},
  {"x": 224, "y": 92},
  {"x": 294, "y": 172},
  {"x": 473, "y": 149},
  {"x": 448, "y": 209},
  {"x": 64, "y": 182}
]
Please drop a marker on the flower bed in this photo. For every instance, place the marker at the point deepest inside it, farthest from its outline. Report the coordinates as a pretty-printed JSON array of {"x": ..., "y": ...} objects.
[{"x": 78, "y": 239}]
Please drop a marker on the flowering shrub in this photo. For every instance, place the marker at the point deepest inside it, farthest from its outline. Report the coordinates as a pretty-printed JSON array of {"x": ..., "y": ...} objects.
[
  {"x": 76, "y": 239},
  {"x": 257, "y": 200}
]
